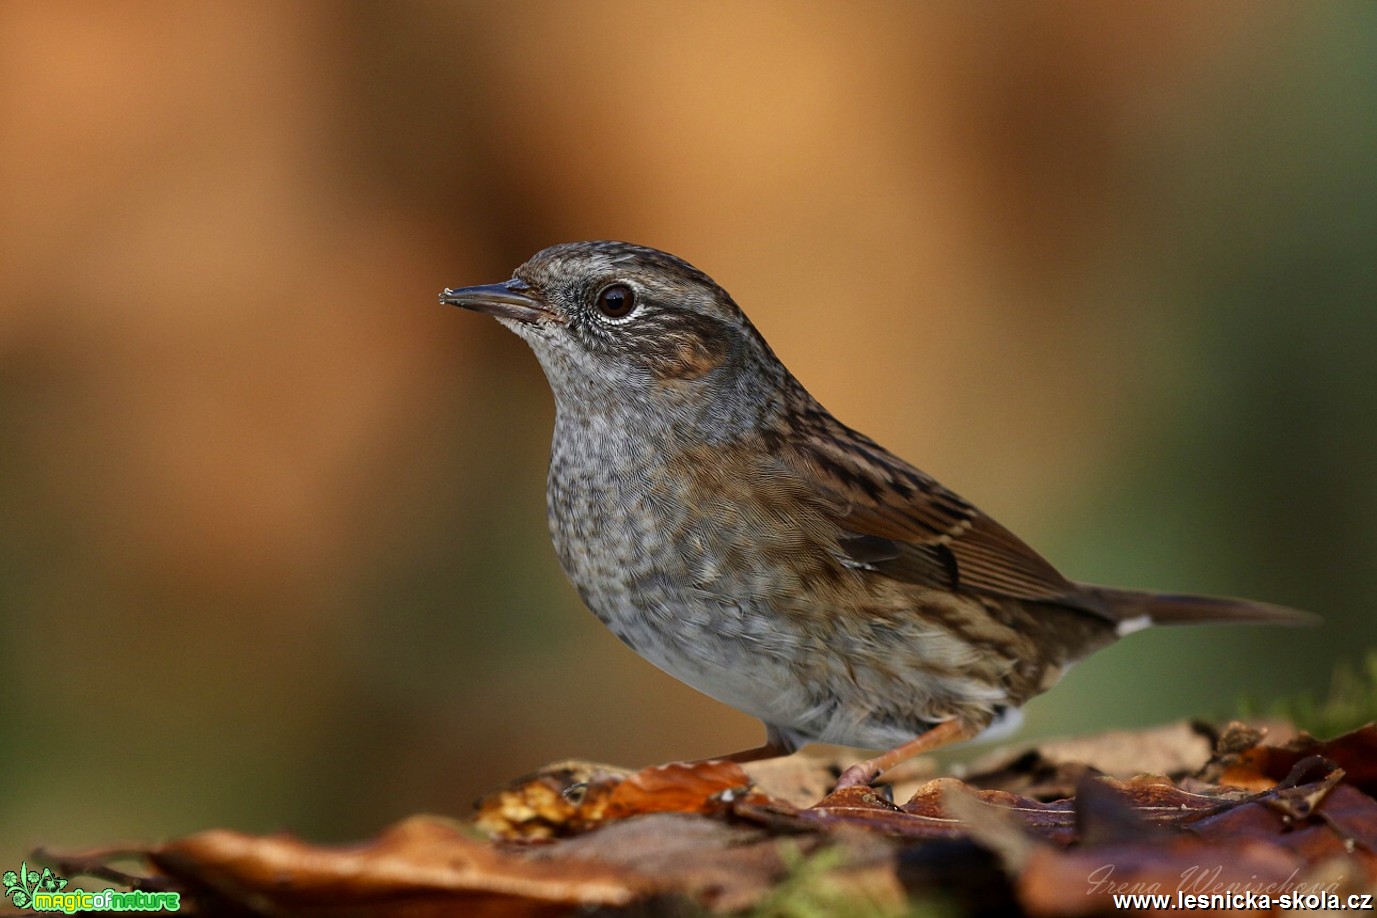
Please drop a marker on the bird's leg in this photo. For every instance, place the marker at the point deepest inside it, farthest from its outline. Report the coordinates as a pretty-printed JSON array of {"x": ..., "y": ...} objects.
[
  {"x": 768, "y": 750},
  {"x": 862, "y": 773},
  {"x": 776, "y": 744}
]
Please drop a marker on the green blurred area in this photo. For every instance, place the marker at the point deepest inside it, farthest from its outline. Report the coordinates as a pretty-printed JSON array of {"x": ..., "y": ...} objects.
[{"x": 272, "y": 538}]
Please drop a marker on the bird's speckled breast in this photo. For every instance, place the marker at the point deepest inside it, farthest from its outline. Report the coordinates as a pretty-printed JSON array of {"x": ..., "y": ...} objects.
[
  {"x": 636, "y": 549},
  {"x": 686, "y": 581}
]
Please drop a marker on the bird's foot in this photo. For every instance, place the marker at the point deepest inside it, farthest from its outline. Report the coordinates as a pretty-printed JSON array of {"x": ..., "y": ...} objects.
[{"x": 862, "y": 773}]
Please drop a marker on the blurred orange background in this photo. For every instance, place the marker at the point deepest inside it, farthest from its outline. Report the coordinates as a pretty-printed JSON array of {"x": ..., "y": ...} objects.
[{"x": 272, "y": 533}]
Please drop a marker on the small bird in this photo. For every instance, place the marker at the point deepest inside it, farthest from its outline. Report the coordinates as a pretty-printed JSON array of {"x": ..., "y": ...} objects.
[{"x": 734, "y": 533}]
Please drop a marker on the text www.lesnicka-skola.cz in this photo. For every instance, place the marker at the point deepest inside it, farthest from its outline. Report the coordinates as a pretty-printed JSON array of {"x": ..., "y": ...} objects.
[{"x": 1246, "y": 900}]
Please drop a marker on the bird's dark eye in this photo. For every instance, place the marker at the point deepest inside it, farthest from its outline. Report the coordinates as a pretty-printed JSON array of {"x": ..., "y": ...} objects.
[{"x": 616, "y": 301}]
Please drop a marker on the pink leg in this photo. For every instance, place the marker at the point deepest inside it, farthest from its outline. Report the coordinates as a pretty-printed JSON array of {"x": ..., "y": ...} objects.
[
  {"x": 862, "y": 773},
  {"x": 766, "y": 751}
]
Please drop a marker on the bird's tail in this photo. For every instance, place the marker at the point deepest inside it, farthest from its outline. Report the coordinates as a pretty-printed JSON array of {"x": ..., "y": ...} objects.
[{"x": 1133, "y": 610}]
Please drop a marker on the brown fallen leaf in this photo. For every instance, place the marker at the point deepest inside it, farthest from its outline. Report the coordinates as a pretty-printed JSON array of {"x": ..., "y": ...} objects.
[
  {"x": 700, "y": 836},
  {"x": 1052, "y": 769},
  {"x": 1257, "y": 765},
  {"x": 679, "y": 787},
  {"x": 720, "y": 865},
  {"x": 561, "y": 799},
  {"x": 421, "y": 867},
  {"x": 926, "y": 814},
  {"x": 568, "y": 799}
]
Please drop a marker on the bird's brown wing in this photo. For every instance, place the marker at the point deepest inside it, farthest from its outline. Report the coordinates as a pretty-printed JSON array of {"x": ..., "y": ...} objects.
[{"x": 902, "y": 523}]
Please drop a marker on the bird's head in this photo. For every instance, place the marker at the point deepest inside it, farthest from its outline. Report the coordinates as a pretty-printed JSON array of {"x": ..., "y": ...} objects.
[{"x": 611, "y": 319}]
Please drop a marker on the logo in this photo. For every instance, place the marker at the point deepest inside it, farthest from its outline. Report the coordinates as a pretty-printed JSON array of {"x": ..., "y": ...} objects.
[{"x": 45, "y": 891}]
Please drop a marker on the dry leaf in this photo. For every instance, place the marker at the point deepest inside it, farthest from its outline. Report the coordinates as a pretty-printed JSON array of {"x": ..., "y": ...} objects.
[{"x": 1295, "y": 817}]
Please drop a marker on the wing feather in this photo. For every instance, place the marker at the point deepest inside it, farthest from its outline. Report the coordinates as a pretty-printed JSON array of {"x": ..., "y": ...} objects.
[{"x": 903, "y": 523}]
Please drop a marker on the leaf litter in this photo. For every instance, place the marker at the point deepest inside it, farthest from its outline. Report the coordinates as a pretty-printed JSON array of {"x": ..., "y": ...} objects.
[{"x": 1055, "y": 830}]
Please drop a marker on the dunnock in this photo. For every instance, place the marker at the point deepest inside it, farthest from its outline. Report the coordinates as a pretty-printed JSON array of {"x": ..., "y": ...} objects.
[{"x": 731, "y": 531}]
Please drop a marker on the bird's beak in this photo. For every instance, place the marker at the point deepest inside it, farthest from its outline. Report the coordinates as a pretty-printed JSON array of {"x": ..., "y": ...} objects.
[{"x": 511, "y": 300}]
